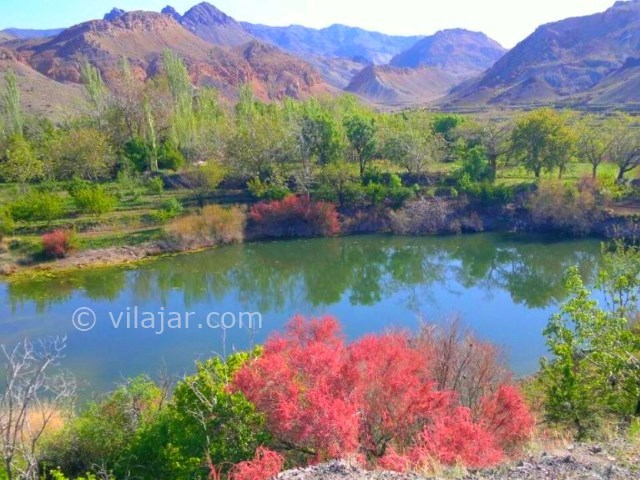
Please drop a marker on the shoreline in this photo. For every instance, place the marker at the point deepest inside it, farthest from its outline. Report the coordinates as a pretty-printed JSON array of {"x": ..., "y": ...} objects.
[{"x": 471, "y": 219}]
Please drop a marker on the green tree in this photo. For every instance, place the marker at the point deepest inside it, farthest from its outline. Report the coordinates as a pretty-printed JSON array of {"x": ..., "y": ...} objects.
[
  {"x": 21, "y": 163},
  {"x": 204, "y": 179},
  {"x": 85, "y": 153},
  {"x": 595, "y": 369},
  {"x": 361, "y": 133},
  {"x": 625, "y": 147},
  {"x": 94, "y": 199},
  {"x": 183, "y": 121},
  {"x": 542, "y": 140},
  {"x": 595, "y": 140},
  {"x": 411, "y": 141},
  {"x": 492, "y": 135},
  {"x": 96, "y": 90},
  {"x": 12, "y": 106},
  {"x": 446, "y": 123}
]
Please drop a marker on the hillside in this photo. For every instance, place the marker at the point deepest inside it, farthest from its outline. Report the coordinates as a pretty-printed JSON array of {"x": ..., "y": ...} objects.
[
  {"x": 393, "y": 86},
  {"x": 39, "y": 94},
  {"x": 338, "y": 72},
  {"x": 621, "y": 87},
  {"x": 336, "y": 41},
  {"x": 142, "y": 37},
  {"x": 559, "y": 59},
  {"x": 458, "y": 52}
]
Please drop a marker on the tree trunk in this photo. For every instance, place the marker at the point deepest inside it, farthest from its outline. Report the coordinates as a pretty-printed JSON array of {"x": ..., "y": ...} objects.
[
  {"x": 621, "y": 173},
  {"x": 594, "y": 171}
]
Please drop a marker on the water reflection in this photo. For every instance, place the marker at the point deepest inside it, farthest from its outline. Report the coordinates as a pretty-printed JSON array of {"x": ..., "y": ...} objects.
[
  {"x": 280, "y": 275},
  {"x": 505, "y": 286}
]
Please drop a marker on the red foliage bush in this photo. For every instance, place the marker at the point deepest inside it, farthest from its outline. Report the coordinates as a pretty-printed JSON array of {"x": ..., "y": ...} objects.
[
  {"x": 456, "y": 438},
  {"x": 266, "y": 464},
  {"x": 58, "y": 244},
  {"x": 375, "y": 397},
  {"x": 297, "y": 383},
  {"x": 294, "y": 217},
  {"x": 506, "y": 415}
]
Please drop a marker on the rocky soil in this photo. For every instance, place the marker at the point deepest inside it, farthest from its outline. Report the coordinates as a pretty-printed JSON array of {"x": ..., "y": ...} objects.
[{"x": 582, "y": 462}]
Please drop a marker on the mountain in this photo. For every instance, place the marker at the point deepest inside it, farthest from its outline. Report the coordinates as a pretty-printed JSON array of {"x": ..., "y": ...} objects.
[
  {"x": 337, "y": 72},
  {"x": 114, "y": 13},
  {"x": 5, "y": 37},
  {"x": 26, "y": 33},
  {"x": 621, "y": 87},
  {"x": 458, "y": 52},
  {"x": 214, "y": 26},
  {"x": 141, "y": 37},
  {"x": 559, "y": 60},
  {"x": 393, "y": 86},
  {"x": 39, "y": 94},
  {"x": 336, "y": 41},
  {"x": 169, "y": 10}
]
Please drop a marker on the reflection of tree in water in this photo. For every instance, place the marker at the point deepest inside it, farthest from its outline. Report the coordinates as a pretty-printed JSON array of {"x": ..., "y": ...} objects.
[
  {"x": 531, "y": 271},
  {"x": 97, "y": 284},
  {"x": 282, "y": 276}
]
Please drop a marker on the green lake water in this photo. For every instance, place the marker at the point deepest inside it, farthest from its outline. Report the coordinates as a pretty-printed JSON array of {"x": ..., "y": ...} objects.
[{"x": 504, "y": 287}]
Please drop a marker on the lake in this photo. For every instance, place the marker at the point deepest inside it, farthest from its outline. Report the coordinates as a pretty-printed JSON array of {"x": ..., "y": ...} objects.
[{"x": 503, "y": 286}]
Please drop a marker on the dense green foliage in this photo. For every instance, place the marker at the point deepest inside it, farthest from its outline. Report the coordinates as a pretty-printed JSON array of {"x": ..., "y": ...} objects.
[
  {"x": 158, "y": 149},
  {"x": 139, "y": 431},
  {"x": 595, "y": 371}
]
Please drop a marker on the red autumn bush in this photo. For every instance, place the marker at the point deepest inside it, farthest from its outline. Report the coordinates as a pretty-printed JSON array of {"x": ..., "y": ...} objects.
[
  {"x": 58, "y": 244},
  {"x": 266, "y": 464},
  {"x": 506, "y": 416},
  {"x": 456, "y": 438},
  {"x": 375, "y": 398},
  {"x": 294, "y": 216}
]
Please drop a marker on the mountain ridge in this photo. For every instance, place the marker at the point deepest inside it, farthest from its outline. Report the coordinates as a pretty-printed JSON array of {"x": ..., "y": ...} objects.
[{"x": 559, "y": 60}]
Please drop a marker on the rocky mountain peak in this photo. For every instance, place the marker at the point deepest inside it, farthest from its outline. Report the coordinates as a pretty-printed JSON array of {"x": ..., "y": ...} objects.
[
  {"x": 170, "y": 11},
  {"x": 113, "y": 14},
  {"x": 144, "y": 21},
  {"x": 206, "y": 14}
]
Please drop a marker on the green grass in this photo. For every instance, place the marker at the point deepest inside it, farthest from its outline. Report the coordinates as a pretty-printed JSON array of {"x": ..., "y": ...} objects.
[{"x": 120, "y": 240}]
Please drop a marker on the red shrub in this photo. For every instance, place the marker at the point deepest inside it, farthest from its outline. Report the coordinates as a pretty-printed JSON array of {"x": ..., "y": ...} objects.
[
  {"x": 507, "y": 417},
  {"x": 390, "y": 381},
  {"x": 394, "y": 462},
  {"x": 296, "y": 382},
  {"x": 266, "y": 464},
  {"x": 294, "y": 217},
  {"x": 455, "y": 438},
  {"x": 58, "y": 244},
  {"x": 375, "y": 397}
]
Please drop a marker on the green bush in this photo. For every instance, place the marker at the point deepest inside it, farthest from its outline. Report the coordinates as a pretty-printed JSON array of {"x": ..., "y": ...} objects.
[
  {"x": 268, "y": 190},
  {"x": 169, "y": 157},
  {"x": 594, "y": 371},
  {"x": 203, "y": 423},
  {"x": 37, "y": 206},
  {"x": 136, "y": 433},
  {"x": 138, "y": 153},
  {"x": 171, "y": 208},
  {"x": 7, "y": 224},
  {"x": 102, "y": 434},
  {"x": 94, "y": 200},
  {"x": 155, "y": 185}
]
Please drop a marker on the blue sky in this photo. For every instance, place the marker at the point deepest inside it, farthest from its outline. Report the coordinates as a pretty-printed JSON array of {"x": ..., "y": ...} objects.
[{"x": 507, "y": 21}]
